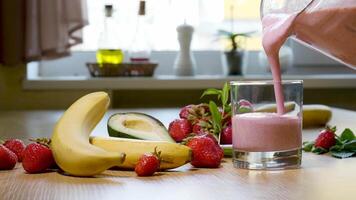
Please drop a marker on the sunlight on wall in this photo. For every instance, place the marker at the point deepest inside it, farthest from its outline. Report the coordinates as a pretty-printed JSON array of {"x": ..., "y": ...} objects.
[
  {"x": 242, "y": 9},
  {"x": 163, "y": 16}
]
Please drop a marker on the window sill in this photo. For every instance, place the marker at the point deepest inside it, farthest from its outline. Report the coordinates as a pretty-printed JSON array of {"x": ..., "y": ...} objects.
[
  {"x": 174, "y": 82},
  {"x": 322, "y": 76}
]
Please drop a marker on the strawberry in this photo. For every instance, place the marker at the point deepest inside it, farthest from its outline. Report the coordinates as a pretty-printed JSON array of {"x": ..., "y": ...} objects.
[
  {"x": 197, "y": 128},
  {"x": 226, "y": 119},
  {"x": 226, "y": 135},
  {"x": 244, "y": 106},
  {"x": 203, "y": 109},
  {"x": 194, "y": 112},
  {"x": 8, "y": 158},
  {"x": 202, "y": 126},
  {"x": 17, "y": 146},
  {"x": 205, "y": 152},
  {"x": 148, "y": 164},
  {"x": 185, "y": 111},
  {"x": 37, "y": 158},
  {"x": 179, "y": 129},
  {"x": 209, "y": 135},
  {"x": 326, "y": 138},
  {"x": 244, "y": 102}
]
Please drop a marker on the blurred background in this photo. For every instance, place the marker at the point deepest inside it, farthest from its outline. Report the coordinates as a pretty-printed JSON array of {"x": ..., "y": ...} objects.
[{"x": 47, "y": 49}]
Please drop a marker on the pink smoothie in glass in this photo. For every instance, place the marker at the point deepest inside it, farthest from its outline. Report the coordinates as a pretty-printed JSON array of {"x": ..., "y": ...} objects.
[{"x": 261, "y": 132}]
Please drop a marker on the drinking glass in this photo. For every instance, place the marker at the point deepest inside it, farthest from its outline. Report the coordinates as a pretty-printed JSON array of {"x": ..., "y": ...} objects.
[{"x": 263, "y": 138}]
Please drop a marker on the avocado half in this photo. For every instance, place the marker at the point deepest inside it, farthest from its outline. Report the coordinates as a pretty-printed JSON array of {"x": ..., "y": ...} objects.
[{"x": 137, "y": 126}]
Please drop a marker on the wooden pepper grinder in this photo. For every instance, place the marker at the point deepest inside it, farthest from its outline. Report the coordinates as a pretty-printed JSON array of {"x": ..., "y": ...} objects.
[{"x": 184, "y": 64}]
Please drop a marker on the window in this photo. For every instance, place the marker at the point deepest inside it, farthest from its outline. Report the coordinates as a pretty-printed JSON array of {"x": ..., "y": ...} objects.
[
  {"x": 163, "y": 16},
  {"x": 207, "y": 16}
]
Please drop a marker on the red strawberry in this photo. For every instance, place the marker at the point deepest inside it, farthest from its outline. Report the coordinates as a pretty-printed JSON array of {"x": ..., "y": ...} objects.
[
  {"x": 37, "y": 158},
  {"x": 205, "y": 152},
  {"x": 148, "y": 164},
  {"x": 326, "y": 138},
  {"x": 244, "y": 102},
  {"x": 194, "y": 112},
  {"x": 203, "y": 108},
  {"x": 209, "y": 135},
  {"x": 185, "y": 111},
  {"x": 179, "y": 129},
  {"x": 8, "y": 158},
  {"x": 244, "y": 106},
  {"x": 197, "y": 128},
  {"x": 226, "y": 135},
  {"x": 202, "y": 126},
  {"x": 17, "y": 146},
  {"x": 226, "y": 120}
]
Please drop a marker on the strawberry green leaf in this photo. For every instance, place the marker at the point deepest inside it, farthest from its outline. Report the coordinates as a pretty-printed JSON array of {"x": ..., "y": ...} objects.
[
  {"x": 338, "y": 140},
  {"x": 347, "y": 135},
  {"x": 336, "y": 148},
  {"x": 342, "y": 154},
  {"x": 212, "y": 91},
  {"x": 333, "y": 129},
  {"x": 228, "y": 109},
  {"x": 319, "y": 150},
  {"x": 216, "y": 115},
  {"x": 225, "y": 94},
  {"x": 351, "y": 145},
  {"x": 308, "y": 146},
  {"x": 225, "y": 98}
]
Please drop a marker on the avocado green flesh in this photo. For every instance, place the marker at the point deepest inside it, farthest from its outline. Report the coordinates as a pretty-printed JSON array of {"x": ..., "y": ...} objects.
[
  {"x": 114, "y": 133},
  {"x": 137, "y": 126}
]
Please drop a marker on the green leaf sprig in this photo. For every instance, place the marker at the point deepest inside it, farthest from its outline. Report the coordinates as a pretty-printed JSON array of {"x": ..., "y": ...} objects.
[
  {"x": 223, "y": 96},
  {"x": 216, "y": 116},
  {"x": 345, "y": 145}
]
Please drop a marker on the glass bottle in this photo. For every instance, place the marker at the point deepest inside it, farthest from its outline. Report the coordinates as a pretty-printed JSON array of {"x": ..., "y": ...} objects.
[
  {"x": 108, "y": 43},
  {"x": 140, "y": 49}
]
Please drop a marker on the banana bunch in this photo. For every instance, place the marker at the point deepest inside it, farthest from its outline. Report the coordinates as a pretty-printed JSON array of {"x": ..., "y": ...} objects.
[
  {"x": 70, "y": 139},
  {"x": 173, "y": 155},
  {"x": 78, "y": 155}
]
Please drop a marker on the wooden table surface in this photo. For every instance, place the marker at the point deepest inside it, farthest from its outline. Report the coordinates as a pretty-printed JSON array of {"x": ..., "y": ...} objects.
[{"x": 320, "y": 177}]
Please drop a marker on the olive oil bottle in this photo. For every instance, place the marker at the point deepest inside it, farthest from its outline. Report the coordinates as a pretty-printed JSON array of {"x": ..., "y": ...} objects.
[
  {"x": 109, "y": 51},
  {"x": 109, "y": 56}
]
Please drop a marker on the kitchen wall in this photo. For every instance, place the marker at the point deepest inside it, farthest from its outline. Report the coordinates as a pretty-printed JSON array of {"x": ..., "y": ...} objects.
[{"x": 13, "y": 97}]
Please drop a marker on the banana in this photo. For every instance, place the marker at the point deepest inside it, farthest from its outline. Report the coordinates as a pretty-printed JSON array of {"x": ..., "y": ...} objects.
[
  {"x": 172, "y": 154},
  {"x": 316, "y": 115},
  {"x": 70, "y": 139},
  {"x": 313, "y": 115},
  {"x": 288, "y": 106}
]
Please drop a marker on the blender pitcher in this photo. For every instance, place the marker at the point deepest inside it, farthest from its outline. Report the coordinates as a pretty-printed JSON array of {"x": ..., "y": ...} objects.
[{"x": 328, "y": 26}]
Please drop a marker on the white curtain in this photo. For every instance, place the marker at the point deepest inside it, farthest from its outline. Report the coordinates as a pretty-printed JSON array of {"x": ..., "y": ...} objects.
[
  {"x": 163, "y": 16},
  {"x": 52, "y": 27}
]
